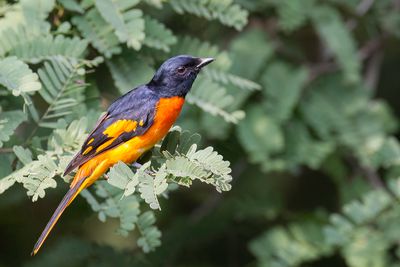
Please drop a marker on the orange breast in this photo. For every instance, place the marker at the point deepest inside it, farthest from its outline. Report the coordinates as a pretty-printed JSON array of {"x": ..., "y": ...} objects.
[{"x": 167, "y": 111}]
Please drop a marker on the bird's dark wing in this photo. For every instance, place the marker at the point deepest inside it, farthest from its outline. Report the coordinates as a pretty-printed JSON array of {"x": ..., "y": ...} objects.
[{"x": 129, "y": 116}]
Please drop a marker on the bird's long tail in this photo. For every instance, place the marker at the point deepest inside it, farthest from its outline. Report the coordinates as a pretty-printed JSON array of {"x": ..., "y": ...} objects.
[{"x": 68, "y": 198}]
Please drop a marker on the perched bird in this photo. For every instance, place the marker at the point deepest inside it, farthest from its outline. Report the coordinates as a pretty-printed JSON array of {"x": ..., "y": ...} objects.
[{"x": 133, "y": 124}]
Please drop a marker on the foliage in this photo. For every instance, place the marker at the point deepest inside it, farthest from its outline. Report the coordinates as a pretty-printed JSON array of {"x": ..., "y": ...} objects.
[
  {"x": 63, "y": 85},
  {"x": 48, "y": 61},
  {"x": 298, "y": 118},
  {"x": 38, "y": 175},
  {"x": 17, "y": 77},
  {"x": 225, "y": 11},
  {"x": 9, "y": 121}
]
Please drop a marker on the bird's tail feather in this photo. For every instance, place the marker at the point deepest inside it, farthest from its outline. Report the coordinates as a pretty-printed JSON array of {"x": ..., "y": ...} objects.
[{"x": 68, "y": 198}]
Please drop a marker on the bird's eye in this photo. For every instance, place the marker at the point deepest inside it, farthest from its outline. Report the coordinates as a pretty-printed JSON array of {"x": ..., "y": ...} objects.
[{"x": 181, "y": 70}]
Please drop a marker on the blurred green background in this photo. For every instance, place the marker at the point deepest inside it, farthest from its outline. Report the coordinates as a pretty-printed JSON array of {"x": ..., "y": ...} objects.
[{"x": 315, "y": 161}]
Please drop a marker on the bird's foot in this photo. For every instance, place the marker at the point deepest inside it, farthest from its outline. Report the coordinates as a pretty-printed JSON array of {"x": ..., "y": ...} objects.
[{"x": 137, "y": 165}]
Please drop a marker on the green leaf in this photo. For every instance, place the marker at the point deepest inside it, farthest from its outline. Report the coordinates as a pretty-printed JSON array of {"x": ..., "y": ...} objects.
[
  {"x": 260, "y": 135},
  {"x": 155, "y": 3},
  {"x": 150, "y": 238},
  {"x": 338, "y": 39},
  {"x": 23, "y": 154},
  {"x": 6, "y": 183},
  {"x": 98, "y": 32},
  {"x": 290, "y": 246},
  {"x": 108, "y": 203},
  {"x": 302, "y": 148},
  {"x": 183, "y": 171},
  {"x": 205, "y": 165},
  {"x": 62, "y": 90},
  {"x": 342, "y": 114},
  {"x": 24, "y": 21},
  {"x": 121, "y": 176},
  {"x": 9, "y": 121},
  {"x": 39, "y": 49},
  {"x": 179, "y": 141},
  {"x": 157, "y": 35},
  {"x": 226, "y": 12},
  {"x": 128, "y": 23},
  {"x": 150, "y": 187},
  {"x": 210, "y": 160},
  {"x": 38, "y": 175},
  {"x": 293, "y": 14},
  {"x": 17, "y": 77},
  {"x": 71, "y": 5},
  {"x": 129, "y": 214},
  {"x": 129, "y": 71},
  {"x": 38, "y": 10},
  {"x": 282, "y": 88},
  {"x": 231, "y": 79},
  {"x": 249, "y": 51},
  {"x": 69, "y": 139},
  {"x": 364, "y": 225},
  {"x": 387, "y": 153},
  {"x": 390, "y": 21},
  {"x": 366, "y": 249},
  {"x": 15, "y": 34},
  {"x": 214, "y": 99}
]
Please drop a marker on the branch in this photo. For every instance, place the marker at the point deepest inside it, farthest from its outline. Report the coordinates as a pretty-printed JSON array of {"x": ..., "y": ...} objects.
[
  {"x": 321, "y": 68},
  {"x": 372, "y": 71},
  {"x": 6, "y": 150},
  {"x": 372, "y": 176},
  {"x": 363, "y": 7},
  {"x": 369, "y": 173},
  {"x": 371, "y": 47}
]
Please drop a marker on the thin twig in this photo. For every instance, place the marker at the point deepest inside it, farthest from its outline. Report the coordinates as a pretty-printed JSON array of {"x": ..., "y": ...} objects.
[
  {"x": 372, "y": 176},
  {"x": 369, "y": 173},
  {"x": 371, "y": 47},
  {"x": 372, "y": 71},
  {"x": 364, "y": 6},
  {"x": 369, "y": 50},
  {"x": 321, "y": 68},
  {"x": 6, "y": 150}
]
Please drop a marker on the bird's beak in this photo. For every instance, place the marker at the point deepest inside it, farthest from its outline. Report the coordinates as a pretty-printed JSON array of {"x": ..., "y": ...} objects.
[{"x": 204, "y": 62}]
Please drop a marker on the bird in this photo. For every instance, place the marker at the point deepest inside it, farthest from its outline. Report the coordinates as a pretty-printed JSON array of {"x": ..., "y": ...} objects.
[{"x": 132, "y": 124}]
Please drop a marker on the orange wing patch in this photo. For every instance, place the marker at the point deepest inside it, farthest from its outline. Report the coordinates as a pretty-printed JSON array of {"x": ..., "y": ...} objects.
[
  {"x": 119, "y": 127},
  {"x": 116, "y": 129},
  {"x": 87, "y": 150},
  {"x": 106, "y": 144}
]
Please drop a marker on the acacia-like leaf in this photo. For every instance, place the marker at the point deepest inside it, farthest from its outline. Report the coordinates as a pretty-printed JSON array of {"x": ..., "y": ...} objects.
[
  {"x": 17, "y": 77},
  {"x": 9, "y": 121}
]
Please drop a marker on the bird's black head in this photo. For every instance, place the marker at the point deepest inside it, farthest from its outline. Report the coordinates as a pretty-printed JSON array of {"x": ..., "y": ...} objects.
[{"x": 176, "y": 75}]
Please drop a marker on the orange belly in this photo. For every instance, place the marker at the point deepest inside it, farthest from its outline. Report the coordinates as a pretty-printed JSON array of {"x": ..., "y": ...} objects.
[{"x": 167, "y": 111}]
